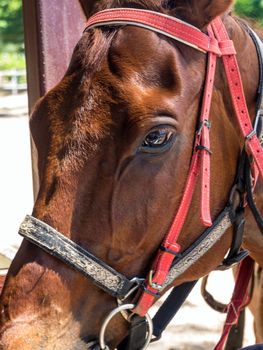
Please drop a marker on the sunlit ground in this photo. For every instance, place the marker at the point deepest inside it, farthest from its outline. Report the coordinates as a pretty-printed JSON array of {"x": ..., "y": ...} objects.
[
  {"x": 197, "y": 326},
  {"x": 16, "y": 198}
]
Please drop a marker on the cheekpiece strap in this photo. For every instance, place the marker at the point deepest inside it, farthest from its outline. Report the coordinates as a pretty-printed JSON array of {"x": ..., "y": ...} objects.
[
  {"x": 253, "y": 146},
  {"x": 188, "y": 258},
  {"x": 56, "y": 244}
]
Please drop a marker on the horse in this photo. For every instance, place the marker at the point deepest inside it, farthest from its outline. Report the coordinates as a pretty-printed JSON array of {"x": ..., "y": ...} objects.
[
  {"x": 256, "y": 305},
  {"x": 115, "y": 141}
]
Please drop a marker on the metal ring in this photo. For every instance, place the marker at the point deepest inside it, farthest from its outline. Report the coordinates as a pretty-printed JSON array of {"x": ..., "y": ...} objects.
[{"x": 113, "y": 313}]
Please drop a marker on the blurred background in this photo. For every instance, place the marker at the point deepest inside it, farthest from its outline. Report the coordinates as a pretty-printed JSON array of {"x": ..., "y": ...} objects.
[
  {"x": 16, "y": 196},
  {"x": 16, "y": 190}
]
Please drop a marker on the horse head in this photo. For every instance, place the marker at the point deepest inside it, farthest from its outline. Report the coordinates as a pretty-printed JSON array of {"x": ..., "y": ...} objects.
[{"x": 114, "y": 141}]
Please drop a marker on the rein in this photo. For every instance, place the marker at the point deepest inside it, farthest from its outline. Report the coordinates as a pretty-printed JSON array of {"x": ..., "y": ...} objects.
[{"x": 170, "y": 262}]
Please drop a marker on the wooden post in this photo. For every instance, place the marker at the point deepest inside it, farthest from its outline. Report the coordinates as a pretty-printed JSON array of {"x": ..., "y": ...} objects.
[{"x": 52, "y": 29}]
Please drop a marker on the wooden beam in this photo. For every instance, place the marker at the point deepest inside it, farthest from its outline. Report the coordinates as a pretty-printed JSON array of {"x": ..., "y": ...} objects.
[{"x": 52, "y": 29}]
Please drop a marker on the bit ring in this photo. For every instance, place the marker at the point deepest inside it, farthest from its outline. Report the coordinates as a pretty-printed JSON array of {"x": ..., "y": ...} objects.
[{"x": 113, "y": 313}]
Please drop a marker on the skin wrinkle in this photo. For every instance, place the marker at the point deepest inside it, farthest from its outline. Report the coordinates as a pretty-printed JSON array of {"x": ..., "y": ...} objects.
[{"x": 105, "y": 195}]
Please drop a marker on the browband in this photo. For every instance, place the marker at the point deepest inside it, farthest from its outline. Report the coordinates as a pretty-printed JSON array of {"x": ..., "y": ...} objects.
[{"x": 157, "y": 22}]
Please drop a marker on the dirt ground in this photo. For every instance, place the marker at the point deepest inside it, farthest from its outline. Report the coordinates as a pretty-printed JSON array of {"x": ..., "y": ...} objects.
[{"x": 196, "y": 327}]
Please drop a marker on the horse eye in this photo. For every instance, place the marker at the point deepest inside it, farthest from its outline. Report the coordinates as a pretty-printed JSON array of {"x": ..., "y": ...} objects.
[{"x": 157, "y": 140}]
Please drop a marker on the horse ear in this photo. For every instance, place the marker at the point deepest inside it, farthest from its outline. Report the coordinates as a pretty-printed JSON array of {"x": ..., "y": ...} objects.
[
  {"x": 198, "y": 12},
  {"x": 91, "y": 6}
]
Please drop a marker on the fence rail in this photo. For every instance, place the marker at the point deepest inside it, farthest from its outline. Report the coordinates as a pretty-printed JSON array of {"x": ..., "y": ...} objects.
[{"x": 13, "y": 80}]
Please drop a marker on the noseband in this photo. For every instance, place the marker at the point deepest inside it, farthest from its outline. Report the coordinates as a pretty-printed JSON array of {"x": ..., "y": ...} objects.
[{"x": 171, "y": 262}]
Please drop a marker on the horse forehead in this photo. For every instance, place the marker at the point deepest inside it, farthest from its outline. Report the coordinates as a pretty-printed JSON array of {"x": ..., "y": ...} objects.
[
  {"x": 147, "y": 64},
  {"x": 141, "y": 49},
  {"x": 142, "y": 65}
]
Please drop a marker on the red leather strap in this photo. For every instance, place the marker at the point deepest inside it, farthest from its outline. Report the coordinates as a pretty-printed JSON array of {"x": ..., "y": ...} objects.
[
  {"x": 253, "y": 145},
  {"x": 192, "y": 36},
  {"x": 165, "y": 256},
  {"x": 158, "y": 22},
  {"x": 239, "y": 299},
  {"x": 227, "y": 47},
  {"x": 200, "y": 163},
  {"x": 216, "y": 43},
  {"x": 205, "y": 139}
]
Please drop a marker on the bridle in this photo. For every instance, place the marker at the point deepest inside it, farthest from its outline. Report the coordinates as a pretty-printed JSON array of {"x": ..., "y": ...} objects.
[{"x": 170, "y": 262}]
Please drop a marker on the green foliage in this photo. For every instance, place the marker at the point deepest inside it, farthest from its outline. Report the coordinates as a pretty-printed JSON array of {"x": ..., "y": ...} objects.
[
  {"x": 11, "y": 25},
  {"x": 11, "y": 35},
  {"x": 10, "y": 60},
  {"x": 250, "y": 8}
]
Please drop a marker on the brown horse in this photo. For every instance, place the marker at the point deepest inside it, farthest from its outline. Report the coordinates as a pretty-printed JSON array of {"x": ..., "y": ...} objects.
[
  {"x": 114, "y": 141},
  {"x": 256, "y": 305}
]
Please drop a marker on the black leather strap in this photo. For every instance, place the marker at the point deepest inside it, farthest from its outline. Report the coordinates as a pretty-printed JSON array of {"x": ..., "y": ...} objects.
[
  {"x": 237, "y": 199},
  {"x": 136, "y": 338},
  {"x": 259, "y": 47},
  {"x": 137, "y": 334},
  {"x": 259, "y": 114},
  {"x": 56, "y": 244},
  {"x": 259, "y": 129},
  {"x": 236, "y": 254},
  {"x": 170, "y": 307},
  {"x": 250, "y": 199}
]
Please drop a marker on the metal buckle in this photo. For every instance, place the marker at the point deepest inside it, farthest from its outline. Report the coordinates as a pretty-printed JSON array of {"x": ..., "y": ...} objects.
[
  {"x": 113, "y": 313},
  {"x": 152, "y": 284},
  {"x": 203, "y": 148},
  {"x": 167, "y": 250},
  {"x": 138, "y": 282},
  {"x": 206, "y": 123},
  {"x": 256, "y": 122},
  {"x": 156, "y": 295}
]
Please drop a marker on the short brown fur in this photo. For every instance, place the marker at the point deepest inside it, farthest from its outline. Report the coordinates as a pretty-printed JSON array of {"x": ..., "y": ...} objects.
[{"x": 100, "y": 190}]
